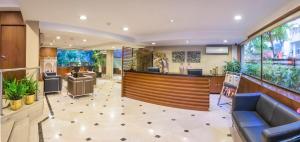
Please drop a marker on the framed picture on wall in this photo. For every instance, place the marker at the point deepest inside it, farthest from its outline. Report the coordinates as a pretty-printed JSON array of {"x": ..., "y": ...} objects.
[
  {"x": 178, "y": 56},
  {"x": 193, "y": 56}
]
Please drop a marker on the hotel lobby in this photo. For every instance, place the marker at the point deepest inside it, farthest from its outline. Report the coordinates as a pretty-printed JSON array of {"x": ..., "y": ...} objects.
[{"x": 150, "y": 71}]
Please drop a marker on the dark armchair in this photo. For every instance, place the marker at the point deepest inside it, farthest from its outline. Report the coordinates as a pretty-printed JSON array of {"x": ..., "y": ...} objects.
[
  {"x": 52, "y": 82},
  {"x": 259, "y": 118}
]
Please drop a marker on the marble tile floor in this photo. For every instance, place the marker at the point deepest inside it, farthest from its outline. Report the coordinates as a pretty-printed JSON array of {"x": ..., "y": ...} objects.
[{"x": 107, "y": 117}]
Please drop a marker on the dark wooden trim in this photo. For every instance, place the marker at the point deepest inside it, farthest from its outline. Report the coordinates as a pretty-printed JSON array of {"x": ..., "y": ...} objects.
[{"x": 291, "y": 12}]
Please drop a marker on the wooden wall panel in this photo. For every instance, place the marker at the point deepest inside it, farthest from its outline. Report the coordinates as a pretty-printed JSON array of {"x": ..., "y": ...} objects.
[
  {"x": 11, "y": 18},
  {"x": 251, "y": 85},
  {"x": 12, "y": 43},
  {"x": 169, "y": 90},
  {"x": 48, "y": 52}
]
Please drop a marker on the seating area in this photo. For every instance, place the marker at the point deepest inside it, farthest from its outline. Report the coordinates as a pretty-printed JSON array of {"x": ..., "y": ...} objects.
[
  {"x": 150, "y": 71},
  {"x": 259, "y": 118}
]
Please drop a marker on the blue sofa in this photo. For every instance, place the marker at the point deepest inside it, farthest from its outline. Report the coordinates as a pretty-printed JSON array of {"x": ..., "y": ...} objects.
[{"x": 259, "y": 118}]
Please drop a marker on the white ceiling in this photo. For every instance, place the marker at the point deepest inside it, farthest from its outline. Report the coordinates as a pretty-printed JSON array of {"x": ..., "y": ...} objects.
[
  {"x": 70, "y": 39},
  {"x": 199, "y": 21}
]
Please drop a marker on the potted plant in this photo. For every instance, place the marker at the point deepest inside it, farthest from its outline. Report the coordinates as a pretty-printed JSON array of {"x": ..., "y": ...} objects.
[
  {"x": 232, "y": 66},
  {"x": 14, "y": 91},
  {"x": 32, "y": 88},
  {"x": 99, "y": 61}
]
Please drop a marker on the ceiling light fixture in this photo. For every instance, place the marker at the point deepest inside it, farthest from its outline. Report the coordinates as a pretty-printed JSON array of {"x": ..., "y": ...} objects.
[
  {"x": 125, "y": 28},
  {"x": 70, "y": 45},
  {"x": 57, "y": 37},
  {"x": 113, "y": 47},
  {"x": 225, "y": 41},
  {"x": 84, "y": 40},
  {"x": 238, "y": 17},
  {"x": 187, "y": 41},
  {"x": 172, "y": 20},
  {"x": 82, "y": 17},
  {"x": 153, "y": 43},
  {"x": 51, "y": 43}
]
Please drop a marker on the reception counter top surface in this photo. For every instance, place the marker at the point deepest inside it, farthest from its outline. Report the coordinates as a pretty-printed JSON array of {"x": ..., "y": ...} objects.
[{"x": 177, "y": 74}]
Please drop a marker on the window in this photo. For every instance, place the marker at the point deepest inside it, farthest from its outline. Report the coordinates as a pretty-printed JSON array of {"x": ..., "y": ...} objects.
[
  {"x": 251, "y": 57},
  {"x": 279, "y": 52},
  {"x": 281, "y": 64}
]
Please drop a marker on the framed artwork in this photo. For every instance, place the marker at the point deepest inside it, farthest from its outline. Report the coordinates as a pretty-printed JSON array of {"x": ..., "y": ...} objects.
[
  {"x": 178, "y": 56},
  {"x": 193, "y": 56}
]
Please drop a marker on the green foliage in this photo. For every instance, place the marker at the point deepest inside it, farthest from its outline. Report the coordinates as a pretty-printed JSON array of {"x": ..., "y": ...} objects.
[
  {"x": 31, "y": 84},
  {"x": 99, "y": 59},
  {"x": 283, "y": 75},
  {"x": 252, "y": 69},
  {"x": 15, "y": 90},
  {"x": 232, "y": 66}
]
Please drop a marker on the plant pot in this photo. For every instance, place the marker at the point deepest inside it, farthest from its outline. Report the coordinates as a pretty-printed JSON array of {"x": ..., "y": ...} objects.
[
  {"x": 15, "y": 104},
  {"x": 29, "y": 99}
]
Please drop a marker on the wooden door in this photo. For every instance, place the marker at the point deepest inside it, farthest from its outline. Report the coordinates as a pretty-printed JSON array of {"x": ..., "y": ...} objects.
[{"x": 13, "y": 49}]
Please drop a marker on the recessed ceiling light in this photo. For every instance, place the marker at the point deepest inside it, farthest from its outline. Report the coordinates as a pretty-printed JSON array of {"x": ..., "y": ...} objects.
[
  {"x": 70, "y": 45},
  {"x": 82, "y": 17},
  {"x": 225, "y": 41},
  {"x": 153, "y": 43},
  {"x": 113, "y": 47},
  {"x": 187, "y": 41},
  {"x": 172, "y": 20},
  {"x": 57, "y": 37},
  {"x": 84, "y": 40},
  {"x": 238, "y": 17},
  {"x": 50, "y": 43},
  {"x": 125, "y": 28}
]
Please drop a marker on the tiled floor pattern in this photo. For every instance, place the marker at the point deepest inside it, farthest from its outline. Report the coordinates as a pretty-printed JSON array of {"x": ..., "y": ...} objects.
[{"x": 107, "y": 117}]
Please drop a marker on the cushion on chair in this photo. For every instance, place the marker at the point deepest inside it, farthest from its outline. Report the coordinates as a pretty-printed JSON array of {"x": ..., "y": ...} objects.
[
  {"x": 245, "y": 101},
  {"x": 248, "y": 119},
  {"x": 253, "y": 134},
  {"x": 283, "y": 115},
  {"x": 265, "y": 107}
]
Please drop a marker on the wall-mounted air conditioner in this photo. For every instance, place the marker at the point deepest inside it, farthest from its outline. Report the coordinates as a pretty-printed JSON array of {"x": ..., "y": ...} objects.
[{"x": 216, "y": 50}]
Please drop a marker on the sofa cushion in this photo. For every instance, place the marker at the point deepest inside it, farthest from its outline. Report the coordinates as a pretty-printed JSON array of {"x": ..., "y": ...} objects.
[
  {"x": 248, "y": 119},
  {"x": 283, "y": 115},
  {"x": 253, "y": 134},
  {"x": 245, "y": 101},
  {"x": 265, "y": 107}
]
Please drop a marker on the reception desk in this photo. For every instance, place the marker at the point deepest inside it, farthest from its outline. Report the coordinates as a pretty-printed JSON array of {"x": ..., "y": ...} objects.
[{"x": 174, "y": 90}]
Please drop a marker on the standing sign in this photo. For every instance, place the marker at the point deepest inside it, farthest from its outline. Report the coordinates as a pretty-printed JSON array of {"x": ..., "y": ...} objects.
[{"x": 230, "y": 85}]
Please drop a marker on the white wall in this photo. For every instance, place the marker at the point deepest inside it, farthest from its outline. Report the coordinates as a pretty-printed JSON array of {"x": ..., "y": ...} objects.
[
  {"x": 207, "y": 62},
  {"x": 32, "y": 44}
]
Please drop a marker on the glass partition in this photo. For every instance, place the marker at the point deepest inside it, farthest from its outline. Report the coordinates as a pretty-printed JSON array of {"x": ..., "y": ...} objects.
[
  {"x": 279, "y": 52},
  {"x": 281, "y": 56},
  {"x": 251, "y": 57}
]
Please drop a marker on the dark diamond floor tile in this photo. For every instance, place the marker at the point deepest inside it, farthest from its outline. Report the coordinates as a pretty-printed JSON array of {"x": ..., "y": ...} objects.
[
  {"x": 88, "y": 139},
  {"x": 149, "y": 122},
  {"x": 157, "y": 136},
  {"x": 229, "y": 135},
  {"x": 123, "y": 139},
  {"x": 96, "y": 124},
  {"x": 123, "y": 124},
  {"x": 186, "y": 131}
]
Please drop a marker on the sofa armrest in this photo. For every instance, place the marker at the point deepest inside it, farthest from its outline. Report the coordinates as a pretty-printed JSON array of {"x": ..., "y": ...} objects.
[
  {"x": 245, "y": 101},
  {"x": 288, "y": 132}
]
